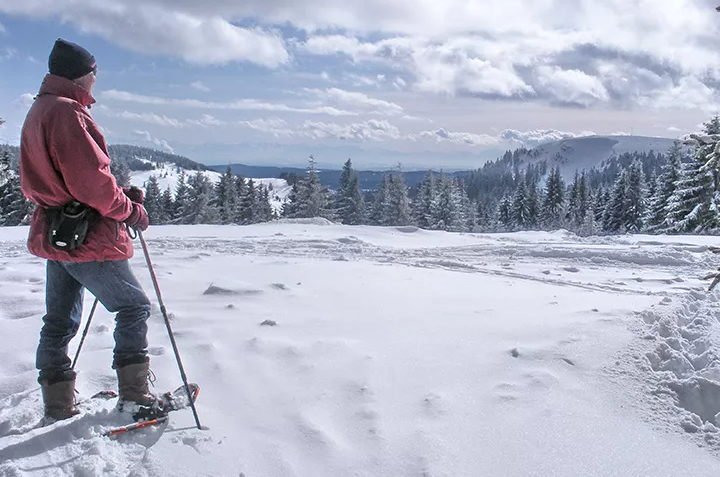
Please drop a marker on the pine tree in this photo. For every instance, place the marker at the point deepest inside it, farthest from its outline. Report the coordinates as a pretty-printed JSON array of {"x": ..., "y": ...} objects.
[
  {"x": 227, "y": 197},
  {"x": 396, "y": 210},
  {"x": 694, "y": 204},
  {"x": 665, "y": 189},
  {"x": 265, "y": 209},
  {"x": 533, "y": 205},
  {"x": 290, "y": 207},
  {"x": 447, "y": 208},
  {"x": 122, "y": 173},
  {"x": 504, "y": 214},
  {"x": 377, "y": 214},
  {"x": 15, "y": 209},
  {"x": 615, "y": 210},
  {"x": 181, "y": 209},
  {"x": 200, "y": 209},
  {"x": 153, "y": 202},
  {"x": 349, "y": 202},
  {"x": 554, "y": 203},
  {"x": 635, "y": 199},
  {"x": 520, "y": 206},
  {"x": 168, "y": 205},
  {"x": 422, "y": 206},
  {"x": 312, "y": 197}
]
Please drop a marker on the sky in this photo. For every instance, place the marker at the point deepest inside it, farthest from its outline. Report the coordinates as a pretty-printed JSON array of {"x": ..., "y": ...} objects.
[{"x": 385, "y": 83}]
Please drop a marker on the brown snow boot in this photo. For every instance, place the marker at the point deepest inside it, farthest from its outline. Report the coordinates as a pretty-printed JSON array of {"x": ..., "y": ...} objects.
[
  {"x": 133, "y": 384},
  {"x": 59, "y": 400}
]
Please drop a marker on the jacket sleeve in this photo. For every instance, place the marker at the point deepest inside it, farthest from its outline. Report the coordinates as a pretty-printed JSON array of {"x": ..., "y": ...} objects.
[{"x": 83, "y": 164}]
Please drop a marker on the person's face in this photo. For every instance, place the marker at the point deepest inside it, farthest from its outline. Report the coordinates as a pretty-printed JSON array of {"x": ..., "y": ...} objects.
[{"x": 87, "y": 81}]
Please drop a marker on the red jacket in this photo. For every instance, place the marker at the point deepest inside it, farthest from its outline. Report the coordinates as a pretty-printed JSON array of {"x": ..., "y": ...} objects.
[{"x": 63, "y": 156}]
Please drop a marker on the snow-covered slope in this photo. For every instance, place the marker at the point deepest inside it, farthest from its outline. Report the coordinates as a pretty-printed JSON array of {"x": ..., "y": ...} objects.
[
  {"x": 586, "y": 152},
  {"x": 396, "y": 352},
  {"x": 169, "y": 174}
]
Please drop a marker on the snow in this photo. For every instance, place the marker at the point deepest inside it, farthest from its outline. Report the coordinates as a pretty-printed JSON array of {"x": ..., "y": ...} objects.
[{"x": 394, "y": 352}]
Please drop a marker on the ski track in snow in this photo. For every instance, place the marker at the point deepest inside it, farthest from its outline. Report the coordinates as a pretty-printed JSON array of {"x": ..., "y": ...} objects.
[{"x": 669, "y": 373}]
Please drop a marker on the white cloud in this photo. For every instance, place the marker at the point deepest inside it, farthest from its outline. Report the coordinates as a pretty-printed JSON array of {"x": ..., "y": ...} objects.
[
  {"x": 203, "y": 37},
  {"x": 356, "y": 100},
  {"x": 198, "y": 85},
  {"x": 7, "y": 53},
  {"x": 508, "y": 136},
  {"x": 372, "y": 130},
  {"x": 465, "y": 138},
  {"x": 572, "y": 86},
  {"x": 276, "y": 127},
  {"x": 674, "y": 129},
  {"x": 162, "y": 143},
  {"x": 2, "y": 28},
  {"x": 25, "y": 100},
  {"x": 241, "y": 104},
  {"x": 150, "y": 118},
  {"x": 206, "y": 120},
  {"x": 537, "y": 136}
]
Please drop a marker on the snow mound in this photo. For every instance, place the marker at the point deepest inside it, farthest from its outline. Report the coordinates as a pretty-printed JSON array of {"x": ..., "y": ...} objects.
[{"x": 313, "y": 221}]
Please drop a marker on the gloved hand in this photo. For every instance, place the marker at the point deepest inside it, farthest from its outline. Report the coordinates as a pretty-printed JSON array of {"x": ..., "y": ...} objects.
[
  {"x": 135, "y": 194},
  {"x": 138, "y": 218}
]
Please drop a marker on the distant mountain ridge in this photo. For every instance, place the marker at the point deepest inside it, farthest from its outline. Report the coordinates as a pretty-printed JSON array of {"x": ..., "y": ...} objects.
[{"x": 590, "y": 151}]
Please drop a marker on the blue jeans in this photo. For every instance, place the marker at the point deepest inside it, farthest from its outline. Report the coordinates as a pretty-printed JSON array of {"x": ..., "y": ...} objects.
[{"x": 116, "y": 287}]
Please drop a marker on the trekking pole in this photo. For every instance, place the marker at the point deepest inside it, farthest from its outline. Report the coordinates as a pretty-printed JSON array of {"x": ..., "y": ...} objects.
[
  {"x": 85, "y": 332},
  {"x": 169, "y": 329}
]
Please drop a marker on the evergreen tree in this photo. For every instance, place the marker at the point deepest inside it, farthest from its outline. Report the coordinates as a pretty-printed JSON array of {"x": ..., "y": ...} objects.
[
  {"x": 553, "y": 205},
  {"x": 520, "y": 206},
  {"x": 447, "y": 209},
  {"x": 615, "y": 210},
  {"x": 505, "y": 214},
  {"x": 533, "y": 205},
  {"x": 15, "y": 209},
  {"x": 635, "y": 199},
  {"x": 349, "y": 202},
  {"x": 168, "y": 205},
  {"x": 422, "y": 206},
  {"x": 290, "y": 207},
  {"x": 312, "y": 197},
  {"x": 181, "y": 209},
  {"x": 665, "y": 189},
  {"x": 227, "y": 197},
  {"x": 200, "y": 209},
  {"x": 122, "y": 173},
  {"x": 692, "y": 208},
  {"x": 153, "y": 202},
  {"x": 396, "y": 210},
  {"x": 378, "y": 214},
  {"x": 265, "y": 209}
]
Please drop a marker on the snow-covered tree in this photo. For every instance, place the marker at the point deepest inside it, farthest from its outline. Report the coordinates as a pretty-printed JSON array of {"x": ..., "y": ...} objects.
[
  {"x": 349, "y": 201},
  {"x": 422, "y": 206},
  {"x": 227, "y": 197},
  {"x": 122, "y": 173},
  {"x": 520, "y": 206},
  {"x": 664, "y": 189},
  {"x": 504, "y": 214},
  {"x": 181, "y": 208},
  {"x": 153, "y": 202},
  {"x": 15, "y": 209},
  {"x": 635, "y": 199},
  {"x": 200, "y": 209},
  {"x": 615, "y": 213},
  {"x": 397, "y": 207},
  {"x": 554, "y": 202},
  {"x": 312, "y": 198}
]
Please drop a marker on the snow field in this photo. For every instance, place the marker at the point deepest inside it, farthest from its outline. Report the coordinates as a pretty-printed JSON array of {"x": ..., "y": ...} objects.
[{"x": 396, "y": 351}]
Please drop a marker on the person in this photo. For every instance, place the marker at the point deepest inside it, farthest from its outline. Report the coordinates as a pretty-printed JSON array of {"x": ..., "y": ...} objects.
[{"x": 64, "y": 160}]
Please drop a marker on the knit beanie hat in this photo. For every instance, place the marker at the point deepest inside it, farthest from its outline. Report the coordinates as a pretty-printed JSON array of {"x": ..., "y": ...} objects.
[{"x": 70, "y": 61}]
